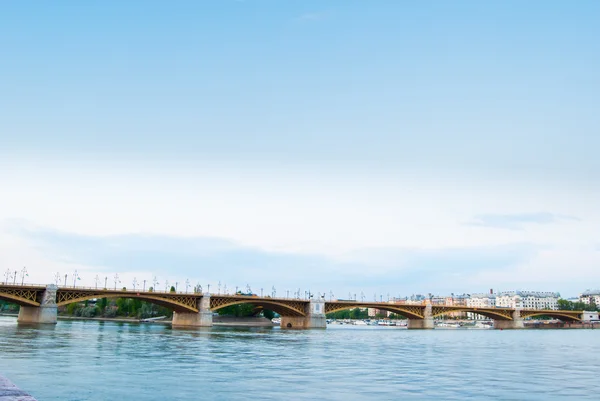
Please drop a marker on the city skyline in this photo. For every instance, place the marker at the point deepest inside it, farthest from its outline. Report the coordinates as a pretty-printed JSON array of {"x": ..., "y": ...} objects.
[{"x": 407, "y": 148}]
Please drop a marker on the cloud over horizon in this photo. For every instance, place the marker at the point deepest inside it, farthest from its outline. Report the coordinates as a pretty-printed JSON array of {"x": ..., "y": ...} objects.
[
  {"x": 518, "y": 221},
  {"x": 399, "y": 271}
]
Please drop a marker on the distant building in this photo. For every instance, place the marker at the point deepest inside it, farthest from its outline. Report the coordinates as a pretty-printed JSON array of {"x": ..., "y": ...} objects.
[
  {"x": 417, "y": 299},
  {"x": 590, "y": 297},
  {"x": 528, "y": 300},
  {"x": 374, "y": 312},
  {"x": 482, "y": 300}
]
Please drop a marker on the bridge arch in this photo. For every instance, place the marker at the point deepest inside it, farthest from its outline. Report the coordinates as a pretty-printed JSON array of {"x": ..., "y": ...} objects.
[
  {"x": 22, "y": 296},
  {"x": 561, "y": 315},
  {"x": 282, "y": 307},
  {"x": 408, "y": 311},
  {"x": 494, "y": 314},
  {"x": 180, "y": 304}
]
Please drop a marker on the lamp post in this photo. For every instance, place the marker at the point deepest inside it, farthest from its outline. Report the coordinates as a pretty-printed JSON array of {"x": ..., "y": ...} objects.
[
  {"x": 7, "y": 276},
  {"x": 219, "y": 288},
  {"x": 116, "y": 280},
  {"x": 166, "y": 285},
  {"x": 176, "y": 284},
  {"x": 66, "y": 280},
  {"x": 144, "y": 290},
  {"x": 105, "y": 282},
  {"x": 287, "y": 293},
  {"x": 134, "y": 283},
  {"x": 57, "y": 278},
  {"x": 75, "y": 277},
  {"x": 96, "y": 279},
  {"x": 187, "y": 285},
  {"x": 154, "y": 283},
  {"x": 208, "y": 288},
  {"x": 261, "y": 292},
  {"x": 15, "y": 278},
  {"x": 23, "y": 274}
]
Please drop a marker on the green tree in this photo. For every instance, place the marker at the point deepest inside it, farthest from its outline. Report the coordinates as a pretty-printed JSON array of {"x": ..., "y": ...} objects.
[{"x": 240, "y": 310}]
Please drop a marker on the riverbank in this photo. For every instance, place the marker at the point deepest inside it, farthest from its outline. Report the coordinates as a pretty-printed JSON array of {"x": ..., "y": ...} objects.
[
  {"x": 10, "y": 392},
  {"x": 217, "y": 320}
]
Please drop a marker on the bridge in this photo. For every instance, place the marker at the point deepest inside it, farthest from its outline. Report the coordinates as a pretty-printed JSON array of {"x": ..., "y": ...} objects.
[{"x": 39, "y": 304}]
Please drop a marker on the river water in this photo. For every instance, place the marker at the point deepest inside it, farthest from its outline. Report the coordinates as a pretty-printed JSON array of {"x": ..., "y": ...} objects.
[{"x": 90, "y": 360}]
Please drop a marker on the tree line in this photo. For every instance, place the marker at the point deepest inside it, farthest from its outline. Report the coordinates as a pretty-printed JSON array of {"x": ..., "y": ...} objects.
[{"x": 563, "y": 304}]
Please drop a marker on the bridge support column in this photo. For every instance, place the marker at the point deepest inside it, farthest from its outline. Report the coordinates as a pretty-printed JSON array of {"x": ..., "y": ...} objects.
[
  {"x": 314, "y": 319},
  {"x": 45, "y": 313},
  {"x": 204, "y": 317},
  {"x": 425, "y": 323},
  {"x": 515, "y": 323}
]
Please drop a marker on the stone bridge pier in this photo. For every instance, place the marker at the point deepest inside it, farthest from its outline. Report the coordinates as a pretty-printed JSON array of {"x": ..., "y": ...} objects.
[
  {"x": 425, "y": 323},
  {"x": 45, "y": 313},
  {"x": 203, "y": 318},
  {"x": 515, "y": 323},
  {"x": 314, "y": 317}
]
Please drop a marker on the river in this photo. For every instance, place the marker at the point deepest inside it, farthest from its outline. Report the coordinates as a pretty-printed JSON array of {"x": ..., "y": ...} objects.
[{"x": 91, "y": 360}]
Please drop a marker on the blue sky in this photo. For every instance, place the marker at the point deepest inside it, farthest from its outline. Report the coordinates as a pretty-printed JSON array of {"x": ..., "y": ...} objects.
[{"x": 377, "y": 138}]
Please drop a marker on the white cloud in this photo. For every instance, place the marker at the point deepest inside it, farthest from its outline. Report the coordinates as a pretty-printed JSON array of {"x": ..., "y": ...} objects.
[{"x": 339, "y": 218}]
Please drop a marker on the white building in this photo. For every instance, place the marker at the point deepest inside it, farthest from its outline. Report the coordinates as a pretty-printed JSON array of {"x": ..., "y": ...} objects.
[
  {"x": 528, "y": 300},
  {"x": 480, "y": 301},
  {"x": 590, "y": 316},
  {"x": 590, "y": 297}
]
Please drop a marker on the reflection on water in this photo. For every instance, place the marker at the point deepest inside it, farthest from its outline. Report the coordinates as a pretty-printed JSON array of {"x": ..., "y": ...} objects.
[{"x": 90, "y": 360}]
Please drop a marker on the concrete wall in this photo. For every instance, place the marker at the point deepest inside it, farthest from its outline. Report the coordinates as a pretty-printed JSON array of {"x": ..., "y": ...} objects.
[
  {"x": 314, "y": 319},
  {"x": 204, "y": 318},
  {"x": 516, "y": 323},
  {"x": 36, "y": 315},
  {"x": 426, "y": 323}
]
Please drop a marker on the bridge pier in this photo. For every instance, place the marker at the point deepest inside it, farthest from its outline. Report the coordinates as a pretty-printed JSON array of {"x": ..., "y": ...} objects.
[
  {"x": 203, "y": 318},
  {"x": 314, "y": 319},
  {"x": 425, "y": 323},
  {"x": 45, "y": 313},
  {"x": 515, "y": 323}
]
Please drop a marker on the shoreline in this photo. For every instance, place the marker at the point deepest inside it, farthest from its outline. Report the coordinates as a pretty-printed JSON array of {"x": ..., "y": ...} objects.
[
  {"x": 10, "y": 392},
  {"x": 218, "y": 321}
]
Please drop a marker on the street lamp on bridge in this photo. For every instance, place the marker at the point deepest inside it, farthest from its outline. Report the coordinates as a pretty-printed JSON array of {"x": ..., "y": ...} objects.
[
  {"x": 134, "y": 283},
  {"x": 116, "y": 280},
  {"x": 7, "y": 276},
  {"x": 23, "y": 274},
  {"x": 96, "y": 279},
  {"x": 187, "y": 285},
  {"x": 57, "y": 278},
  {"x": 75, "y": 278}
]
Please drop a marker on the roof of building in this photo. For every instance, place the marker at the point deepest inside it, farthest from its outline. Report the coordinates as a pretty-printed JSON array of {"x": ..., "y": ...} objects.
[{"x": 537, "y": 294}]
